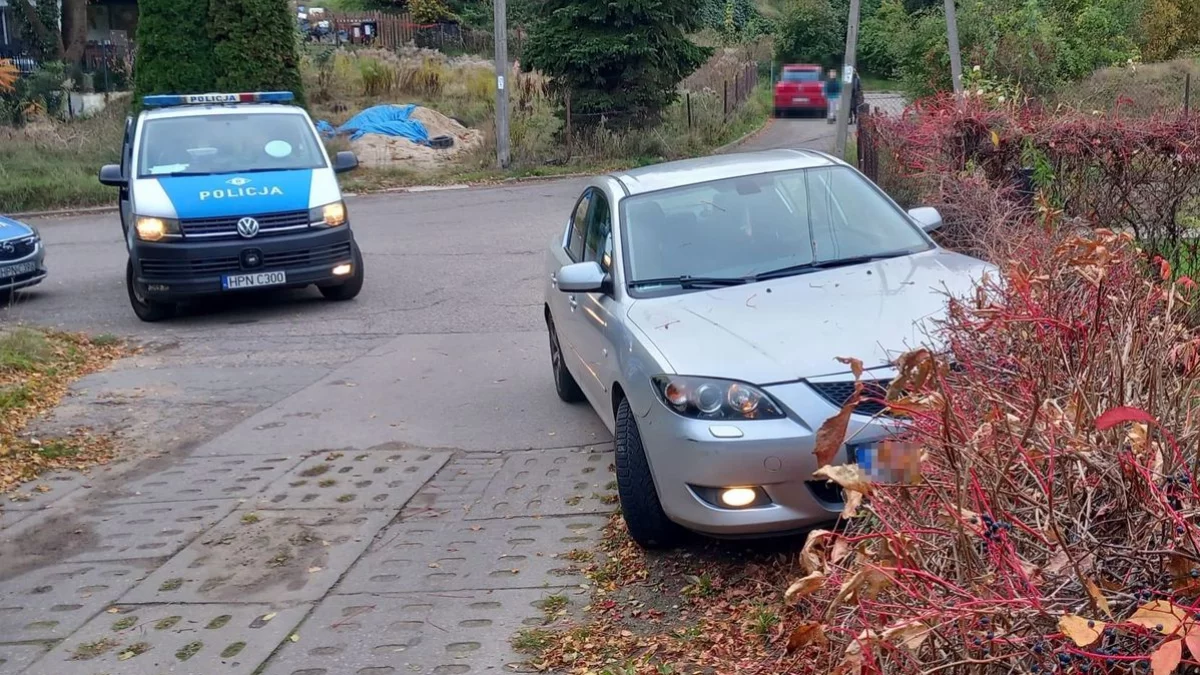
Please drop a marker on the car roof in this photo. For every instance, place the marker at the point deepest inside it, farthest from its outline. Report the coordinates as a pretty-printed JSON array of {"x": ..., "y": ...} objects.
[
  {"x": 218, "y": 109},
  {"x": 717, "y": 167}
]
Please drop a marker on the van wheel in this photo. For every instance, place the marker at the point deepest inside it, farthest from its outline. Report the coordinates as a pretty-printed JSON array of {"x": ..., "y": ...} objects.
[
  {"x": 145, "y": 308},
  {"x": 349, "y": 289},
  {"x": 648, "y": 524}
]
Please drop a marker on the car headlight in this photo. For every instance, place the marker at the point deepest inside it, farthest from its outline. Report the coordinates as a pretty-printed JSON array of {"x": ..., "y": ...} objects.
[
  {"x": 330, "y": 215},
  {"x": 156, "y": 229},
  {"x": 712, "y": 399}
]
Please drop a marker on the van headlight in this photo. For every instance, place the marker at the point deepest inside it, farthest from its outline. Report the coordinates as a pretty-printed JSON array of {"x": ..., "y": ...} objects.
[
  {"x": 329, "y": 215},
  {"x": 713, "y": 399},
  {"x": 156, "y": 229}
]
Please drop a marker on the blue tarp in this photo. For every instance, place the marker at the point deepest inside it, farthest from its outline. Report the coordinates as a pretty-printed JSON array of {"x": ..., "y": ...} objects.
[{"x": 387, "y": 120}]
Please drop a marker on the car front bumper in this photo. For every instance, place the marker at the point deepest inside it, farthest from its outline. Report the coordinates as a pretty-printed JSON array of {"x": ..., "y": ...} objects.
[
  {"x": 9, "y": 282},
  {"x": 687, "y": 456},
  {"x": 185, "y": 269}
]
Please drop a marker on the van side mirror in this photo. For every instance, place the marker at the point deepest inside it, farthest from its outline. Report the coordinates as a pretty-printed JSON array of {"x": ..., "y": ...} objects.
[
  {"x": 927, "y": 217},
  {"x": 345, "y": 161},
  {"x": 110, "y": 175}
]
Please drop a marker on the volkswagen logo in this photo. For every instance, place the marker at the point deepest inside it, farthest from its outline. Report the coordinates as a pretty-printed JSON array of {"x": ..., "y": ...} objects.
[
  {"x": 237, "y": 182},
  {"x": 247, "y": 227}
]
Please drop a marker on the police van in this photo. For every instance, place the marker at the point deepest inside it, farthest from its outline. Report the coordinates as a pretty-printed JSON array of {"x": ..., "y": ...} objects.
[{"x": 221, "y": 193}]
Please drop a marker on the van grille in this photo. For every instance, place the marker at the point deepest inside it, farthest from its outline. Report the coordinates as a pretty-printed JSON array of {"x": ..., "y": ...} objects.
[{"x": 271, "y": 223}]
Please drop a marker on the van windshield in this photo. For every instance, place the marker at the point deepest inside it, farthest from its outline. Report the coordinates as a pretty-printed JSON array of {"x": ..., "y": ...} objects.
[{"x": 210, "y": 144}]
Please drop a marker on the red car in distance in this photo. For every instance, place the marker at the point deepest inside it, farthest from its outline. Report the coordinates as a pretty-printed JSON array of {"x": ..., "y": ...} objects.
[{"x": 800, "y": 89}]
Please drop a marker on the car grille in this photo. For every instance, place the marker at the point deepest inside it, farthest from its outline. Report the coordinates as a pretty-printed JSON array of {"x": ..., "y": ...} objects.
[
  {"x": 272, "y": 223},
  {"x": 204, "y": 267},
  {"x": 838, "y": 393},
  {"x": 20, "y": 248}
]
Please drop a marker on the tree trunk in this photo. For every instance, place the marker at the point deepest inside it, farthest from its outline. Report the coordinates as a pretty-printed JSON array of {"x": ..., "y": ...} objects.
[
  {"x": 45, "y": 34},
  {"x": 74, "y": 32}
]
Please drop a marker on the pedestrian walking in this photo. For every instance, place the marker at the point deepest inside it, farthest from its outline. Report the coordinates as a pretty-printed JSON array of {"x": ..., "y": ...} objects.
[
  {"x": 856, "y": 99},
  {"x": 833, "y": 93}
]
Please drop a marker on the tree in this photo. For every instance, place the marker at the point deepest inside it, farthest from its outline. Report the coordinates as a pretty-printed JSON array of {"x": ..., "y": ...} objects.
[
  {"x": 40, "y": 25},
  {"x": 255, "y": 46},
  {"x": 620, "y": 58},
  {"x": 175, "y": 53},
  {"x": 810, "y": 31}
]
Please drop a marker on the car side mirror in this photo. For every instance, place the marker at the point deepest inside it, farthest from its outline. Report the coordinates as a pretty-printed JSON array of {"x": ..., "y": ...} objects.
[
  {"x": 110, "y": 175},
  {"x": 345, "y": 161},
  {"x": 927, "y": 217},
  {"x": 584, "y": 277}
]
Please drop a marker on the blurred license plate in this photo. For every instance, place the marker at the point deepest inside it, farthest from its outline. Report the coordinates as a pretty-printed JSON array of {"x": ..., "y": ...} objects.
[
  {"x": 233, "y": 282},
  {"x": 800, "y": 100},
  {"x": 888, "y": 461},
  {"x": 17, "y": 270}
]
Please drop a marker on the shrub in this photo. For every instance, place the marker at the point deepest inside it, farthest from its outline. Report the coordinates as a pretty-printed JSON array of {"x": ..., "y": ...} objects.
[
  {"x": 809, "y": 32},
  {"x": 255, "y": 46},
  {"x": 175, "y": 52},
  {"x": 1053, "y": 521}
]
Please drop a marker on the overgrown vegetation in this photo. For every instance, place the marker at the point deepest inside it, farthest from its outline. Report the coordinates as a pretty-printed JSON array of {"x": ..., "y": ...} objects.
[
  {"x": 175, "y": 52},
  {"x": 254, "y": 46},
  {"x": 36, "y": 369}
]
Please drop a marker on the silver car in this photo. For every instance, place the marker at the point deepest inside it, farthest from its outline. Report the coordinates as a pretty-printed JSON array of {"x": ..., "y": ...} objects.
[
  {"x": 701, "y": 306},
  {"x": 22, "y": 257}
]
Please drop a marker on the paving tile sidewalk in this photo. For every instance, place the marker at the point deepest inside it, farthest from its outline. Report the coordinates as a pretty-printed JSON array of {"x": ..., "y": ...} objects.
[{"x": 375, "y": 560}]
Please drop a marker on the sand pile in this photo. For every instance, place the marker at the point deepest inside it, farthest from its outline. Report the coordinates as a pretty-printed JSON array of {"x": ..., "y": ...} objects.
[{"x": 378, "y": 151}]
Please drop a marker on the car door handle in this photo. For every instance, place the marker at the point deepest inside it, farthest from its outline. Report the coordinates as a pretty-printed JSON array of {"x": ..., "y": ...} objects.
[
  {"x": 554, "y": 280},
  {"x": 573, "y": 302}
]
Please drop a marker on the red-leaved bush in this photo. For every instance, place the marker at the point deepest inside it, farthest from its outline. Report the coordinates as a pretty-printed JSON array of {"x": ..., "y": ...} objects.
[
  {"x": 1055, "y": 526},
  {"x": 1140, "y": 175}
]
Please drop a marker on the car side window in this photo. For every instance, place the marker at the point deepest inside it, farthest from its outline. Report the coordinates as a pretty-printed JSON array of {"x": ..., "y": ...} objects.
[
  {"x": 579, "y": 221},
  {"x": 599, "y": 233},
  {"x": 127, "y": 147}
]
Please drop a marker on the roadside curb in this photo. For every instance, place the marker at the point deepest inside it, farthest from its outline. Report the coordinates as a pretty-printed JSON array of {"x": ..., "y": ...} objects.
[
  {"x": 745, "y": 137},
  {"x": 83, "y": 210}
]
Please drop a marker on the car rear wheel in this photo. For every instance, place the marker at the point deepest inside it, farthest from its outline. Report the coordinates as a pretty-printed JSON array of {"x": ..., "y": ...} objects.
[
  {"x": 564, "y": 382},
  {"x": 146, "y": 309},
  {"x": 349, "y": 289},
  {"x": 648, "y": 524}
]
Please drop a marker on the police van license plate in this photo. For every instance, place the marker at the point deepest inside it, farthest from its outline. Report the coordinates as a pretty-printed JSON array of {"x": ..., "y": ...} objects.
[
  {"x": 235, "y": 282},
  {"x": 17, "y": 270}
]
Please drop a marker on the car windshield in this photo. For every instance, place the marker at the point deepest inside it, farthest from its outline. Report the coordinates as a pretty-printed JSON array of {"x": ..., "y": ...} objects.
[
  {"x": 774, "y": 223},
  {"x": 801, "y": 75},
  {"x": 226, "y": 143}
]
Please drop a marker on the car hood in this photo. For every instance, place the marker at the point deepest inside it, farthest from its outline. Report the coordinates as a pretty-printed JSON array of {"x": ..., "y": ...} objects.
[
  {"x": 794, "y": 328},
  {"x": 12, "y": 229}
]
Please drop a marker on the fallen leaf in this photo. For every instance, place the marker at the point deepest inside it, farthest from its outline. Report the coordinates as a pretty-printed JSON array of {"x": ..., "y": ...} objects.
[
  {"x": 1166, "y": 658},
  {"x": 852, "y": 658},
  {"x": 995, "y": 139},
  {"x": 812, "y": 556},
  {"x": 856, "y": 365},
  {"x": 1083, "y": 632},
  {"x": 832, "y": 433},
  {"x": 1192, "y": 638},
  {"x": 268, "y": 616},
  {"x": 1159, "y": 615},
  {"x": 841, "y": 549},
  {"x": 807, "y": 633},
  {"x": 112, "y": 610},
  {"x": 1114, "y": 416},
  {"x": 849, "y": 476},
  {"x": 1098, "y": 598},
  {"x": 314, "y": 570},
  {"x": 126, "y": 655},
  {"x": 909, "y": 634},
  {"x": 294, "y": 637},
  {"x": 854, "y": 500},
  {"x": 805, "y": 587}
]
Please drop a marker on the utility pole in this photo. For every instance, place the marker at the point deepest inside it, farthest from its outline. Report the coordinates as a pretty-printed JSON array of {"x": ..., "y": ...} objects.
[
  {"x": 501, "y": 42},
  {"x": 955, "y": 54},
  {"x": 845, "y": 102}
]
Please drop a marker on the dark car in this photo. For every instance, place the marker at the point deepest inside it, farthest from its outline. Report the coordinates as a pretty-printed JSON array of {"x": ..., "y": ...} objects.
[
  {"x": 22, "y": 258},
  {"x": 800, "y": 89}
]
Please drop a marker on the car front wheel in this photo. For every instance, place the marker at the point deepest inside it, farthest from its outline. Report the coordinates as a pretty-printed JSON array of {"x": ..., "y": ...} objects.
[
  {"x": 145, "y": 308},
  {"x": 648, "y": 524},
  {"x": 350, "y": 288},
  {"x": 564, "y": 382}
]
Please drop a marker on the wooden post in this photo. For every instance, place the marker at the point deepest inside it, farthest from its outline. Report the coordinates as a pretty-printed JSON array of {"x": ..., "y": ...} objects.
[
  {"x": 569, "y": 134},
  {"x": 688, "y": 98},
  {"x": 725, "y": 100}
]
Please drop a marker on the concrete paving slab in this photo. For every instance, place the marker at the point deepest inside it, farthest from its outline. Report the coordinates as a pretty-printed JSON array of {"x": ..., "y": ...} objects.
[
  {"x": 385, "y": 478},
  {"x": 50, "y": 602},
  {"x": 57, "y": 485},
  {"x": 178, "y": 639},
  {"x": 16, "y": 658},
  {"x": 197, "y": 478},
  {"x": 86, "y": 531},
  {"x": 427, "y": 391},
  {"x": 274, "y": 557},
  {"x": 561, "y": 482},
  {"x": 494, "y": 554},
  {"x": 432, "y": 634}
]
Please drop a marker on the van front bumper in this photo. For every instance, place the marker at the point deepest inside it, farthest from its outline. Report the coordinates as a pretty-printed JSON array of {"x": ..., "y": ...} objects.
[{"x": 177, "y": 270}]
